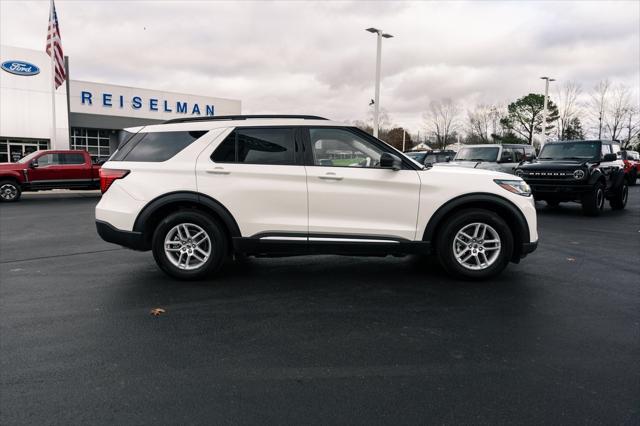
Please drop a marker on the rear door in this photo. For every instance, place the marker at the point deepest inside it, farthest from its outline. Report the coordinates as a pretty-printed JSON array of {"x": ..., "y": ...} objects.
[
  {"x": 257, "y": 173},
  {"x": 350, "y": 195}
]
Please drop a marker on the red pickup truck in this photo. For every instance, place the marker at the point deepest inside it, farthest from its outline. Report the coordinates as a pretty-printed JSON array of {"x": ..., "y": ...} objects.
[{"x": 48, "y": 170}]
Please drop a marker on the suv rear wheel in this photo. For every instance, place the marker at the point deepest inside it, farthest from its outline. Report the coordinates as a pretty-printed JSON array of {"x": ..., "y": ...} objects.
[
  {"x": 475, "y": 244},
  {"x": 619, "y": 200},
  {"x": 593, "y": 202},
  {"x": 188, "y": 245}
]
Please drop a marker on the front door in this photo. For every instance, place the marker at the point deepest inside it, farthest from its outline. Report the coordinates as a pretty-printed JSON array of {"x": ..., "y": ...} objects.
[
  {"x": 509, "y": 159},
  {"x": 350, "y": 195},
  {"x": 257, "y": 173}
]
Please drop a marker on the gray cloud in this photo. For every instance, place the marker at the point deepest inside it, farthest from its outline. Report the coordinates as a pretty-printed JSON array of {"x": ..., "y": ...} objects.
[{"x": 315, "y": 57}]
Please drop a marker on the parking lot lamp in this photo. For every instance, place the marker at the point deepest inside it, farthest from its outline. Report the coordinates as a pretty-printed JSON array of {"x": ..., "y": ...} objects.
[
  {"x": 376, "y": 105},
  {"x": 544, "y": 109}
]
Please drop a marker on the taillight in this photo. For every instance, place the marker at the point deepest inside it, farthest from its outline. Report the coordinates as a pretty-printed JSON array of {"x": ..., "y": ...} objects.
[{"x": 108, "y": 176}]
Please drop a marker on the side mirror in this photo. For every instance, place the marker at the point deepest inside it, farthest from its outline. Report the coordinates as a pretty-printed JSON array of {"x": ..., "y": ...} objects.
[
  {"x": 447, "y": 158},
  {"x": 609, "y": 157},
  {"x": 390, "y": 161},
  {"x": 33, "y": 164}
]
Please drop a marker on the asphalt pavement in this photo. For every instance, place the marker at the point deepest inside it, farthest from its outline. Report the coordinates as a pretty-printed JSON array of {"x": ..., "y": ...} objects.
[{"x": 316, "y": 340}]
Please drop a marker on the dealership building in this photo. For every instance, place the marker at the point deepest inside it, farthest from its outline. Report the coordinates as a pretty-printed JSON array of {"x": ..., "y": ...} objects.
[{"x": 90, "y": 118}]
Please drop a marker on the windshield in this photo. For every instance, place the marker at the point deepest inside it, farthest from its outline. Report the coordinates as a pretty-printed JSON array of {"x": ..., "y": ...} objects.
[
  {"x": 489, "y": 153},
  {"x": 29, "y": 157},
  {"x": 418, "y": 156},
  {"x": 570, "y": 151}
]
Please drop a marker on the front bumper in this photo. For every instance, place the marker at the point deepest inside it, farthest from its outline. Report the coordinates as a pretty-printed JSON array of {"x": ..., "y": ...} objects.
[
  {"x": 528, "y": 248},
  {"x": 129, "y": 239},
  {"x": 558, "y": 188}
]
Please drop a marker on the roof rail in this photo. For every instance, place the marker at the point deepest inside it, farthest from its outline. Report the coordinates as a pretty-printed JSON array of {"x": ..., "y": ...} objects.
[{"x": 240, "y": 117}]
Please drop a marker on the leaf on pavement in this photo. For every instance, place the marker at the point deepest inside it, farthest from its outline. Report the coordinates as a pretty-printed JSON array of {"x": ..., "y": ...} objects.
[{"x": 157, "y": 312}]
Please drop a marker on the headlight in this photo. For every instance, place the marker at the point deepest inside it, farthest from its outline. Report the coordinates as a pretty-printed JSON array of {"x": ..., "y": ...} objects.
[{"x": 519, "y": 187}]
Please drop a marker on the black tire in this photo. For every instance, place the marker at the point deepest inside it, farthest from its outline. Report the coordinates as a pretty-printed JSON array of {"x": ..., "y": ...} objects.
[
  {"x": 445, "y": 243},
  {"x": 633, "y": 176},
  {"x": 553, "y": 203},
  {"x": 9, "y": 191},
  {"x": 593, "y": 201},
  {"x": 619, "y": 200},
  {"x": 217, "y": 242}
]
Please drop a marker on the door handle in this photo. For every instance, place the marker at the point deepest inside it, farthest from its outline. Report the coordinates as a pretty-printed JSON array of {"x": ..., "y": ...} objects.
[
  {"x": 218, "y": 171},
  {"x": 330, "y": 176}
]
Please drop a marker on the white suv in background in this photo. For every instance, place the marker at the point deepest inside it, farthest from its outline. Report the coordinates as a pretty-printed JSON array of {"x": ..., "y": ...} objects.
[{"x": 199, "y": 191}]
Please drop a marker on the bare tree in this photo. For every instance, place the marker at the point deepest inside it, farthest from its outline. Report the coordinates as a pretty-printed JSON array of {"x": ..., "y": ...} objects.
[
  {"x": 633, "y": 126},
  {"x": 442, "y": 120},
  {"x": 619, "y": 110},
  {"x": 599, "y": 98},
  {"x": 480, "y": 122},
  {"x": 568, "y": 109}
]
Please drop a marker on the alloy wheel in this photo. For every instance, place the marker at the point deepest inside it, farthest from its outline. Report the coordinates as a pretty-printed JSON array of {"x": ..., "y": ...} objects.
[
  {"x": 187, "y": 246},
  {"x": 477, "y": 246},
  {"x": 8, "y": 192}
]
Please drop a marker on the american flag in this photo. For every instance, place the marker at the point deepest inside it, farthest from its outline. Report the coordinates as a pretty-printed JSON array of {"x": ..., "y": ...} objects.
[{"x": 53, "y": 39}]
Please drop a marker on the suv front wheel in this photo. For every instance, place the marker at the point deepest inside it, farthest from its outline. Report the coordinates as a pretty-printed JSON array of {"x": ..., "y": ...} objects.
[
  {"x": 188, "y": 245},
  {"x": 593, "y": 201},
  {"x": 475, "y": 244}
]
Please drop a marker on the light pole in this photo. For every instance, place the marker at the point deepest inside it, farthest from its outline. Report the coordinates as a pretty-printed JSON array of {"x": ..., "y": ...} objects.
[
  {"x": 544, "y": 109},
  {"x": 376, "y": 104}
]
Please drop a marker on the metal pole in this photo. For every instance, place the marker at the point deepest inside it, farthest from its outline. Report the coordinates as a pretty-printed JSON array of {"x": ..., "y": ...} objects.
[
  {"x": 53, "y": 80},
  {"x": 404, "y": 135},
  {"x": 66, "y": 70},
  {"x": 544, "y": 112},
  {"x": 376, "y": 105}
]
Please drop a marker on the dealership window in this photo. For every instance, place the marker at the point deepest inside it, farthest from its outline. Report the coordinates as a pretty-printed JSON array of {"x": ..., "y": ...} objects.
[
  {"x": 94, "y": 141},
  {"x": 13, "y": 149}
]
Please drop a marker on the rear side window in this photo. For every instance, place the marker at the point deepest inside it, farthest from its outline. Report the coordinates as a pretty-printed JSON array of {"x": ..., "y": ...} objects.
[
  {"x": 71, "y": 159},
  {"x": 257, "y": 146},
  {"x": 155, "y": 146}
]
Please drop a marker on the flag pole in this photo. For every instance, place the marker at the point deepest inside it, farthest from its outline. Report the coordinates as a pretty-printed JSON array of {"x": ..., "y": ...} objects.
[{"x": 53, "y": 78}]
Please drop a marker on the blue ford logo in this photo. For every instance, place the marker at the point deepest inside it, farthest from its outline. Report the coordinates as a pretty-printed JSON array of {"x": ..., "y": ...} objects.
[{"x": 20, "y": 68}]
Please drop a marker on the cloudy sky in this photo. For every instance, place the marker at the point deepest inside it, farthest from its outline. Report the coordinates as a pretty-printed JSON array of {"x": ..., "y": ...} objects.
[{"x": 315, "y": 57}]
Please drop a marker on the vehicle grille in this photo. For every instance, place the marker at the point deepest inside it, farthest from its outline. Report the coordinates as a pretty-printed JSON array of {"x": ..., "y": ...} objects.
[{"x": 554, "y": 175}]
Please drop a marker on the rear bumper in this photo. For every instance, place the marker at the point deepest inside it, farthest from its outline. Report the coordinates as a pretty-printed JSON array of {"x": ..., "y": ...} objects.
[{"x": 129, "y": 239}]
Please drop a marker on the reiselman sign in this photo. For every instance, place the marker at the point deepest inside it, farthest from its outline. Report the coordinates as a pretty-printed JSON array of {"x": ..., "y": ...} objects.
[{"x": 108, "y": 99}]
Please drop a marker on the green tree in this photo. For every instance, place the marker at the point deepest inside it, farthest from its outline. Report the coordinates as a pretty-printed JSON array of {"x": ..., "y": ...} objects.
[
  {"x": 524, "y": 116},
  {"x": 573, "y": 130},
  {"x": 394, "y": 138}
]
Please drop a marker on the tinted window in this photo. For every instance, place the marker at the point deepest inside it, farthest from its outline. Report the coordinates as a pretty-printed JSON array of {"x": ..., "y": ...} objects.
[
  {"x": 71, "y": 159},
  {"x": 570, "y": 151},
  {"x": 342, "y": 148},
  {"x": 257, "y": 146},
  {"x": 417, "y": 156},
  {"x": 518, "y": 154},
  {"x": 477, "y": 154},
  {"x": 156, "y": 146},
  {"x": 508, "y": 155},
  {"x": 226, "y": 151},
  {"x": 48, "y": 160}
]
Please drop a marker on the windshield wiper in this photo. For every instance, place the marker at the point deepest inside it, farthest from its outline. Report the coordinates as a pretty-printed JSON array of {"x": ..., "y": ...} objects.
[{"x": 545, "y": 158}]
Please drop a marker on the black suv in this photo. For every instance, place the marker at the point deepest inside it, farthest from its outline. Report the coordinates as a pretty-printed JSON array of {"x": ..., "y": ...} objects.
[
  {"x": 431, "y": 156},
  {"x": 584, "y": 171}
]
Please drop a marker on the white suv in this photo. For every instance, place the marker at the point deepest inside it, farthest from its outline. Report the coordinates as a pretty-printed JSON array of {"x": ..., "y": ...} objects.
[{"x": 199, "y": 191}]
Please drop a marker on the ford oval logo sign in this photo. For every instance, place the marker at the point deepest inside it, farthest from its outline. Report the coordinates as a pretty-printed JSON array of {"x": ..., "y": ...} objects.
[{"x": 20, "y": 68}]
